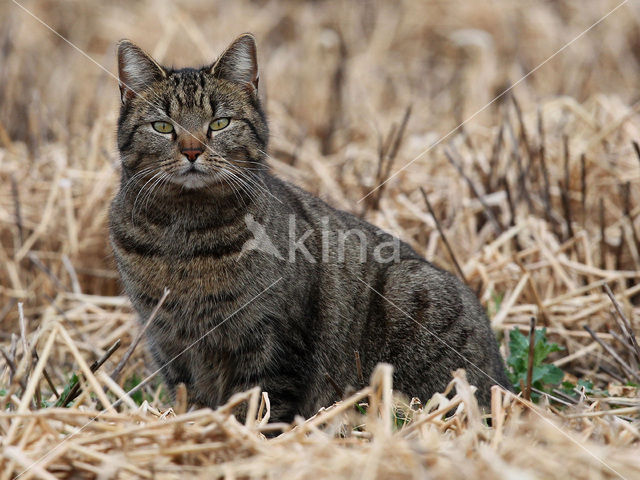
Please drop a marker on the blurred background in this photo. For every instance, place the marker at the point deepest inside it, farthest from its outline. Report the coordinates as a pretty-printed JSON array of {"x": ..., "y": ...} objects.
[
  {"x": 544, "y": 181},
  {"x": 446, "y": 58},
  {"x": 537, "y": 195}
]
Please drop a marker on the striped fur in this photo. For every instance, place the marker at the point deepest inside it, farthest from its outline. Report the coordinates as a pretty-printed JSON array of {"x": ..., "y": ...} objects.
[{"x": 286, "y": 326}]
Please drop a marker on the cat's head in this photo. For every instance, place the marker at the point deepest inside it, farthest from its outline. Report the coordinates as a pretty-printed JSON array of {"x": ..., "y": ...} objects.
[{"x": 193, "y": 127}]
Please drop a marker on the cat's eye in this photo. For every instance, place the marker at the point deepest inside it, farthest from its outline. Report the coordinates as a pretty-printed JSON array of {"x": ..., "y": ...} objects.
[
  {"x": 162, "y": 127},
  {"x": 219, "y": 123}
]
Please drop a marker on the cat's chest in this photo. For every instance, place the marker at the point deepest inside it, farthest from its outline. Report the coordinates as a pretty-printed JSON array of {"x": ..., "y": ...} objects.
[
  {"x": 185, "y": 260},
  {"x": 217, "y": 348}
]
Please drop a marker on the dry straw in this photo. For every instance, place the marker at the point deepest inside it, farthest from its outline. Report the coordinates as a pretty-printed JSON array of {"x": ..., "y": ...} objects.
[{"x": 536, "y": 202}]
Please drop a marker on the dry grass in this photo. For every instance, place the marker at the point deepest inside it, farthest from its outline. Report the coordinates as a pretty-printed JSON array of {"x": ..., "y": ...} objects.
[{"x": 538, "y": 197}]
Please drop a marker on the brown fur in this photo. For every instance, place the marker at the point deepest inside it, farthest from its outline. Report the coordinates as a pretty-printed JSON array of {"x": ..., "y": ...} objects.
[{"x": 285, "y": 325}]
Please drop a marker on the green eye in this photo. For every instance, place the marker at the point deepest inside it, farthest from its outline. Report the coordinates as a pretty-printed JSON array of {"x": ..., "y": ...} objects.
[
  {"x": 162, "y": 127},
  {"x": 219, "y": 124}
]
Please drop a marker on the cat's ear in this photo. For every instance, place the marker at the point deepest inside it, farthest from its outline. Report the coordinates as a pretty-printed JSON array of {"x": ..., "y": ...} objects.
[
  {"x": 239, "y": 62},
  {"x": 136, "y": 70}
]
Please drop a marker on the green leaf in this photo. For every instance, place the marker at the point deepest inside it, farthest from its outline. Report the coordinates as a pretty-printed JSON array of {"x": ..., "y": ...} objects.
[
  {"x": 587, "y": 384},
  {"x": 400, "y": 419},
  {"x": 552, "y": 376},
  {"x": 543, "y": 373},
  {"x": 571, "y": 389},
  {"x": 543, "y": 348},
  {"x": 518, "y": 343},
  {"x": 65, "y": 393},
  {"x": 494, "y": 307},
  {"x": 133, "y": 382},
  {"x": 361, "y": 408}
]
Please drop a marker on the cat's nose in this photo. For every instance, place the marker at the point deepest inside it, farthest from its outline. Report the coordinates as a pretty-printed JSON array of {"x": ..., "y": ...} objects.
[
  {"x": 191, "y": 147},
  {"x": 192, "y": 153}
]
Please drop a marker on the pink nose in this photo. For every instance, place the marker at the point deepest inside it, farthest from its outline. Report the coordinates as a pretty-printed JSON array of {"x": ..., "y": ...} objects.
[{"x": 192, "y": 153}]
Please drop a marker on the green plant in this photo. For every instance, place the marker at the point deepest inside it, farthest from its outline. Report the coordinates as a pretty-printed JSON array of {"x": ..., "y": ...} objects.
[
  {"x": 138, "y": 396},
  {"x": 544, "y": 374},
  {"x": 361, "y": 408},
  {"x": 67, "y": 389},
  {"x": 493, "y": 306},
  {"x": 400, "y": 418},
  {"x": 570, "y": 388}
]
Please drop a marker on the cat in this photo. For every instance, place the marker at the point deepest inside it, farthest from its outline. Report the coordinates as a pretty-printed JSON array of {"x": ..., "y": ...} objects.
[{"x": 269, "y": 285}]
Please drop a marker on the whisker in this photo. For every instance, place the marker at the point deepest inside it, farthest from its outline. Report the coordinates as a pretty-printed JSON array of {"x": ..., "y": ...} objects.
[
  {"x": 133, "y": 210},
  {"x": 251, "y": 190},
  {"x": 252, "y": 179},
  {"x": 229, "y": 180},
  {"x": 255, "y": 194},
  {"x": 241, "y": 184},
  {"x": 153, "y": 187},
  {"x": 262, "y": 165},
  {"x": 134, "y": 179},
  {"x": 235, "y": 169}
]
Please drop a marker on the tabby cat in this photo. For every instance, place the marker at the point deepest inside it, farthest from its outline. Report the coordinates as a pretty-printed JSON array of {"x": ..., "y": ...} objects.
[{"x": 268, "y": 284}]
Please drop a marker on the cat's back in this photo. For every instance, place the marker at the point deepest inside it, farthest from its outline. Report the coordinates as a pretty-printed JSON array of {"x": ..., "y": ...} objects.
[{"x": 317, "y": 215}]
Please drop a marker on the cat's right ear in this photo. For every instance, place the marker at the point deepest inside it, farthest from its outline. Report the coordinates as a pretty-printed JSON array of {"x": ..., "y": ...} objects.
[
  {"x": 238, "y": 63},
  {"x": 136, "y": 70}
]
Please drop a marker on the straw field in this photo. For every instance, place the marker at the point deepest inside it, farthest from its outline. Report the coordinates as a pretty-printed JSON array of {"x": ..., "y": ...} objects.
[{"x": 534, "y": 195}]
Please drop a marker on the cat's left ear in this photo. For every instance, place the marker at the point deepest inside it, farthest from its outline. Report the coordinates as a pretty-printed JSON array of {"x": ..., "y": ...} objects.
[{"x": 239, "y": 62}]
